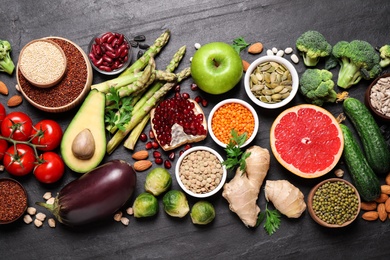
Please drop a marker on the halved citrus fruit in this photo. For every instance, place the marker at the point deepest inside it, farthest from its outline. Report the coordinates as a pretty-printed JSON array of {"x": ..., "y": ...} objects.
[{"x": 307, "y": 140}]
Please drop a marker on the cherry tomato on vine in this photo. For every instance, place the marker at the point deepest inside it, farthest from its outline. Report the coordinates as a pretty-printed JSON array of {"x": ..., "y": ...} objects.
[
  {"x": 19, "y": 160},
  {"x": 47, "y": 132},
  {"x": 3, "y": 148},
  {"x": 17, "y": 125},
  {"x": 3, "y": 113},
  {"x": 50, "y": 168}
]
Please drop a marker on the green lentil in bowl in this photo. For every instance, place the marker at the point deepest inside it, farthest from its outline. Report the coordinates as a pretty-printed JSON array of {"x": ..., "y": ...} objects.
[{"x": 334, "y": 203}]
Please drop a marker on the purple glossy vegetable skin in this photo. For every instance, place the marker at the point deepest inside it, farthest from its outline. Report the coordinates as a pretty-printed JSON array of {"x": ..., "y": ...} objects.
[{"x": 94, "y": 196}]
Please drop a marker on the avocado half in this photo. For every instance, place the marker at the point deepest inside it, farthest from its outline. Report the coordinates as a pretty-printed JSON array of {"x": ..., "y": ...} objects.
[{"x": 91, "y": 116}]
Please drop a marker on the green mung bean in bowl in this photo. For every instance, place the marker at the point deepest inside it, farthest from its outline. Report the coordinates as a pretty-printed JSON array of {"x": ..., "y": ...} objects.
[
  {"x": 199, "y": 172},
  {"x": 271, "y": 82},
  {"x": 334, "y": 203}
]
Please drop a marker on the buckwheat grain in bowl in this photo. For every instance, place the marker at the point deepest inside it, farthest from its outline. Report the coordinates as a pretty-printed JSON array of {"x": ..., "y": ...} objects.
[
  {"x": 232, "y": 114},
  {"x": 199, "y": 172},
  {"x": 271, "y": 82}
]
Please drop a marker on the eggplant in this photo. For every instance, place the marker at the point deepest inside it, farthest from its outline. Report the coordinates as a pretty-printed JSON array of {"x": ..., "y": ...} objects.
[{"x": 94, "y": 196}]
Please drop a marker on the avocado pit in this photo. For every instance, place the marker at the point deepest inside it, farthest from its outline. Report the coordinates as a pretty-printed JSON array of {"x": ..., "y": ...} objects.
[{"x": 83, "y": 145}]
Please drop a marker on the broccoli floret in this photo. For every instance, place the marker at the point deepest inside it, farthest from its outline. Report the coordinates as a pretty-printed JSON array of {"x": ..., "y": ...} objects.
[
  {"x": 384, "y": 53},
  {"x": 6, "y": 63},
  {"x": 357, "y": 59},
  {"x": 312, "y": 45},
  {"x": 317, "y": 86}
]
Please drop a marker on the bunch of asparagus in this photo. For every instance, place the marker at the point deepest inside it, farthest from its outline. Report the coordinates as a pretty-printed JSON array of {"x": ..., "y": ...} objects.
[{"x": 145, "y": 87}]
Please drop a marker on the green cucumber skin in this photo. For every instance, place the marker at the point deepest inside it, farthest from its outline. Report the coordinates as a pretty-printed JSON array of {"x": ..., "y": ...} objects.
[
  {"x": 374, "y": 144},
  {"x": 363, "y": 176}
]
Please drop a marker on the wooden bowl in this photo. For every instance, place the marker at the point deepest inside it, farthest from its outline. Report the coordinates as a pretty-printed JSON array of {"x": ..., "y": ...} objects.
[
  {"x": 42, "y": 62},
  {"x": 367, "y": 100},
  {"x": 14, "y": 190},
  {"x": 318, "y": 219},
  {"x": 72, "y": 88}
]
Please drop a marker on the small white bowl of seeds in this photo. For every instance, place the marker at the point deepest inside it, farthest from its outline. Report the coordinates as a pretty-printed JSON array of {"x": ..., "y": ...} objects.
[
  {"x": 271, "y": 82},
  {"x": 200, "y": 173}
]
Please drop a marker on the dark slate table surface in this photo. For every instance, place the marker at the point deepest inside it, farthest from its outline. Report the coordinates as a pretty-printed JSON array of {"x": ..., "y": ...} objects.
[{"x": 275, "y": 23}]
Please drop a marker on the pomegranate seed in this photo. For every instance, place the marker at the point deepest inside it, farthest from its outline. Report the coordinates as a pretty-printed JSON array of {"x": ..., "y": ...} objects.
[
  {"x": 194, "y": 87},
  {"x": 167, "y": 164},
  {"x": 143, "y": 137},
  {"x": 158, "y": 160},
  {"x": 155, "y": 145},
  {"x": 151, "y": 134},
  {"x": 177, "y": 94},
  {"x": 204, "y": 102},
  {"x": 186, "y": 147},
  {"x": 148, "y": 145},
  {"x": 185, "y": 95},
  {"x": 181, "y": 152},
  {"x": 198, "y": 99},
  {"x": 171, "y": 156},
  {"x": 177, "y": 88},
  {"x": 156, "y": 154}
]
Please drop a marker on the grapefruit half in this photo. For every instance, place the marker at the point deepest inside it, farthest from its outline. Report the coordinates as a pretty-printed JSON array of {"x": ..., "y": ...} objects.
[{"x": 307, "y": 140}]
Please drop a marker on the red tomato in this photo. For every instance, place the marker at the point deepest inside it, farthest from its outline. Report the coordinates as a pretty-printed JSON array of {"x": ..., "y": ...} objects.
[
  {"x": 3, "y": 148},
  {"x": 2, "y": 113},
  {"x": 17, "y": 125},
  {"x": 47, "y": 132},
  {"x": 19, "y": 160},
  {"x": 50, "y": 169}
]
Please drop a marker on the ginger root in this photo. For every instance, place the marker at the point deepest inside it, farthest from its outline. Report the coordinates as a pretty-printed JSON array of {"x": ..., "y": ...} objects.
[
  {"x": 286, "y": 198},
  {"x": 243, "y": 190}
]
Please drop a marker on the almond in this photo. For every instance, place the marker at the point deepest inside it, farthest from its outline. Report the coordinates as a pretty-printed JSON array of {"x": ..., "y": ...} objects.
[
  {"x": 385, "y": 189},
  {"x": 387, "y": 180},
  {"x": 142, "y": 165},
  {"x": 382, "y": 198},
  {"x": 140, "y": 155},
  {"x": 14, "y": 101},
  {"x": 382, "y": 214},
  {"x": 370, "y": 215},
  {"x": 3, "y": 88},
  {"x": 245, "y": 65},
  {"x": 368, "y": 206},
  {"x": 255, "y": 48},
  {"x": 387, "y": 205}
]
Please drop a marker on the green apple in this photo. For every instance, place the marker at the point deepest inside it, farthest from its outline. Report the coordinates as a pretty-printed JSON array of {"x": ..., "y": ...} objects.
[{"x": 216, "y": 67}]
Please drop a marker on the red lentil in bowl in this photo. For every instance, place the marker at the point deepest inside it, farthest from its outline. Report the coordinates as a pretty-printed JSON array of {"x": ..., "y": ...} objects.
[
  {"x": 13, "y": 200},
  {"x": 72, "y": 88}
]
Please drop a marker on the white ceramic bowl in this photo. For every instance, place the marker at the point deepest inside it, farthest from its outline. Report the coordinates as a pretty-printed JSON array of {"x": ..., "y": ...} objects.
[
  {"x": 227, "y": 101},
  {"x": 288, "y": 65},
  {"x": 183, "y": 187}
]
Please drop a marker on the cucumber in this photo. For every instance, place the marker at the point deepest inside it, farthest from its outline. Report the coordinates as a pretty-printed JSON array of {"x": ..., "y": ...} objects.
[
  {"x": 374, "y": 145},
  {"x": 363, "y": 176}
]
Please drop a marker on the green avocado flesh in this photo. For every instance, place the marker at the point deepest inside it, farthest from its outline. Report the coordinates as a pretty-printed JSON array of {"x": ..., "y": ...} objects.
[{"x": 91, "y": 116}]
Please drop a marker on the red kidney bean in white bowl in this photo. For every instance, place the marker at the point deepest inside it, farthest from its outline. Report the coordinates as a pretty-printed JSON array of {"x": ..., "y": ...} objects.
[{"x": 110, "y": 53}]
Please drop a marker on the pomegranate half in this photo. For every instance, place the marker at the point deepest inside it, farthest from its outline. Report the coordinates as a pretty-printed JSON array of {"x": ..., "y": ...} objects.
[{"x": 177, "y": 121}]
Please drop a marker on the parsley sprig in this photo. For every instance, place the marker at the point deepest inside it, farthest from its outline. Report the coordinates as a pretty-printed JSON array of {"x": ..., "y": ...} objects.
[
  {"x": 239, "y": 44},
  {"x": 118, "y": 113},
  {"x": 235, "y": 156},
  {"x": 272, "y": 220}
]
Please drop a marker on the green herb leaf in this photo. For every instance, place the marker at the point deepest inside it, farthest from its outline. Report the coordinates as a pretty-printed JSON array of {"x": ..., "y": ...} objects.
[
  {"x": 118, "y": 114},
  {"x": 239, "y": 44},
  {"x": 235, "y": 156},
  {"x": 272, "y": 220}
]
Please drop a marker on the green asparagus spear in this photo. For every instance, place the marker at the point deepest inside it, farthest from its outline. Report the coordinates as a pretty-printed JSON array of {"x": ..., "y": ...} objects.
[
  {"x": 143, "y": 111},
  {"x": 136, "y": 132},
  {"x": 116, "y": 82},
  {"x": 152, "y": 51}
]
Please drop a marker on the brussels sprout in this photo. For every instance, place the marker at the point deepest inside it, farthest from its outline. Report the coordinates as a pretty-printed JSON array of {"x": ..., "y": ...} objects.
[
  {"x": 202, "y": 213},
  {"x": 158, "y": 181},
  {"x": 145, "y": 205},
  {"x": 175, "y": 203}
]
